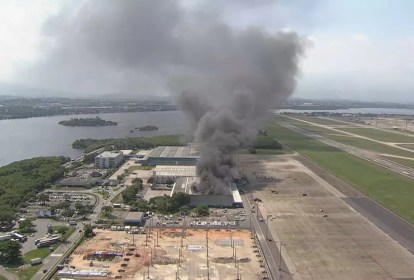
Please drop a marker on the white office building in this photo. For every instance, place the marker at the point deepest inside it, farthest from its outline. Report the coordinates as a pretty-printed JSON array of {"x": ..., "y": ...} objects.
[{"x": 108, "y": 160}]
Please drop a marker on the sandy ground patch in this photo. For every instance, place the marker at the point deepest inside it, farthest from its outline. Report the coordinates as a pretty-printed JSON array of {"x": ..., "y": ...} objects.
[{"x": 162, "y": 252}]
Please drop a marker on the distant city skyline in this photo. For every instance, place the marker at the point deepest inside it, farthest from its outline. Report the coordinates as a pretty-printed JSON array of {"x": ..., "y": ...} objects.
[{"x": 359, "y": 50}]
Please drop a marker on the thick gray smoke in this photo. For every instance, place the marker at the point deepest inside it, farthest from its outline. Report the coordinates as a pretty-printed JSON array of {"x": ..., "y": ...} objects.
[
  {"x": 226, "y": 79},
  {"x": 256, "y": 72}
]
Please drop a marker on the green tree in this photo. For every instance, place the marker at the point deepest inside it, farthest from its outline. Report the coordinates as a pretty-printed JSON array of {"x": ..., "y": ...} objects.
[
  {"x": 107, "y": 209},
  {"x": 78, "y": 205},
  {"x": 43, "y": 197},
  {"x": 141, "y": 205},
  {"x": 150, "y": 180},
  {"x": 88, "y": 230},
  {"x": 185, "y": 209},
  {"x": 26, "y": 226},
  {"x": 202, "y": 210},
  {"x": 6, "y": 215},
  {"x": 9, "y": 251},
  {"x": 68, "y": 212},
  {"x": 62, "y": 230},
  {"x": 22, "y": 180}
]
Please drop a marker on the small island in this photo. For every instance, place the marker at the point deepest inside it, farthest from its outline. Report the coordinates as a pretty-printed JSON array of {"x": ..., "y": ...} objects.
[
  {"x": 87, "y": 122},
  {"x": 147, "y": 128}
]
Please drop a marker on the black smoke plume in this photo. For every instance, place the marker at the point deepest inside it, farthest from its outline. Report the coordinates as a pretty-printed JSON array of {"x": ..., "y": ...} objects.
[{"x": 226, "y": 78}]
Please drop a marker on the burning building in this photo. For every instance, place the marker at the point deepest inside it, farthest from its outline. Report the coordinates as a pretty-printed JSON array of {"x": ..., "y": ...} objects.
[{"x": 230, "y": 196}]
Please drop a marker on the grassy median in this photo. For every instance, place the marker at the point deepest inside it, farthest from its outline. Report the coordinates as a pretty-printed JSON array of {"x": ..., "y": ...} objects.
[{"x": 392, "y": 190}]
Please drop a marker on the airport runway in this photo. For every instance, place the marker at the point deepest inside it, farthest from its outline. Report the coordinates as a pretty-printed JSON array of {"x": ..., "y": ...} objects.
[
  {"x": 391, "y": 224},
  {"x": 367, "y": 155}
]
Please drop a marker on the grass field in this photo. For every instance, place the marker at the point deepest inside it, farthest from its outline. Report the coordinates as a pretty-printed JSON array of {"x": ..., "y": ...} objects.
[
  {"x": 318, "y": 129},
  {"x": 37, "y": 253},
  {"x": 408, "y": 146},
  {"x": 354, "y": 141},
  {"x": 392, "y": 190},
  {"x": 370, "y": 145},
  {"x": 27, "y": 273},
  {"x": 318, "y": 120},
  {"x": 403, "y": 161},
  {"x": 140, "y": 167},
  {"x": 380, "y": 135},
  {"x": 69, "y": 231},
  {"x": 117, "y": 198},
  {"x": 267, "y": 151}
]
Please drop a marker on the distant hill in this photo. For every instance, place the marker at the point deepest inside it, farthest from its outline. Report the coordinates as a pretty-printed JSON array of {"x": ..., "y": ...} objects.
[{"x": 9, "y": 90}]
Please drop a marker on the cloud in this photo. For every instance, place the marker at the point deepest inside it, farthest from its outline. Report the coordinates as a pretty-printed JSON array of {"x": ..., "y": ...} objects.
[{"x": 358, "y": 66}]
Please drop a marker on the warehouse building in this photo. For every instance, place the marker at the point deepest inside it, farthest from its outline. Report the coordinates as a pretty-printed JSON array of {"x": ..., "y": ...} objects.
[
  {"x": 230, "y": 198},
  {"x": 172, "y": 155},
  {"x": 164, "y": 174},
  {"x": 134, "y": 219},
  {"x": 107, "y": 160}
]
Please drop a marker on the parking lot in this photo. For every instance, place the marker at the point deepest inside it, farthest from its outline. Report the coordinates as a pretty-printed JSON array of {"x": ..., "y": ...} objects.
[
  {"x": 41, "y": 231},
  {"x": 218, "y": 218}
]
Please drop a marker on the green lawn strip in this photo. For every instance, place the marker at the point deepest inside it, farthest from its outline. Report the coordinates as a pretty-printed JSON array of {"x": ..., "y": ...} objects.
[
  {"x": 408, "y": 146},
  {"x": 392, "y": 190},
  {"x": 27, "y": 273},
  {"x": 117, "y": 198},
  {"x": 318, "y": 120},
  {"x": 355, "y": 141},
  {"x": 69, "y": 231},
  {"x": 380, "y": 135},
  {"x": 37, "y": 253},
  {"x": 2, "y": 277},
  {"x": 268, "y": 151},
  {"x": 318, "y": 129},
  {"x": 272, "y": 151},
  {"x": 403, "y": 161},
  {"x": 140, "y": 167},
  {"x": 370, "y": 145}
]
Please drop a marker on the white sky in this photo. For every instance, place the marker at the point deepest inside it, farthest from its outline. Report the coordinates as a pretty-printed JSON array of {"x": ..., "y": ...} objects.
[{"x": 360, "y": 49}]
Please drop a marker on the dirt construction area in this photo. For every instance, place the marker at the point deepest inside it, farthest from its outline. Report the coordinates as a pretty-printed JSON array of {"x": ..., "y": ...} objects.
[
  {"x": 115, "y": 252},
  {"x": 322, "y": 237}
]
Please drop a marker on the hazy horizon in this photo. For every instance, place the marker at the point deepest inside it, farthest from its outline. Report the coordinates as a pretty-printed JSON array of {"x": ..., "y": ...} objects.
[{"x": 354, "y": 50}]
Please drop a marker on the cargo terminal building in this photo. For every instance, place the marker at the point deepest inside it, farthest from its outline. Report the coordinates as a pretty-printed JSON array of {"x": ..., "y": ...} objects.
[
  {"x": 230, "y": 199},
  {"x": 177, "y": 164},
  {"x": 172, "y": 155}
]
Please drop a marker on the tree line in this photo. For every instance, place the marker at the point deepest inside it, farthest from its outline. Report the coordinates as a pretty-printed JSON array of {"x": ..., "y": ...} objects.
[
  {"x": 97, "y": 121},
  {"x": 130, "y": 143},
  {"x": 22, "y": 180}
]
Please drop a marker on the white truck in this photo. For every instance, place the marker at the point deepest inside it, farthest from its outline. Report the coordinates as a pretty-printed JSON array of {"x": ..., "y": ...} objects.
[{"x": 35, "y": 261}]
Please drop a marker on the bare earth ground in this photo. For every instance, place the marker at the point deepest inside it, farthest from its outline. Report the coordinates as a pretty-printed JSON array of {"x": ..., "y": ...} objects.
[
  {"x": 165, "y": 256},
  {"x": 343, "y": 245}
]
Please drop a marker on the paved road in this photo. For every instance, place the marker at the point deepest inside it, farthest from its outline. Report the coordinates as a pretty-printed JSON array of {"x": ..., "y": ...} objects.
[
  {"x": 269, "y": 248},
  {"x": 8, "y": 275},
  {"x": 52, "y": 260}
]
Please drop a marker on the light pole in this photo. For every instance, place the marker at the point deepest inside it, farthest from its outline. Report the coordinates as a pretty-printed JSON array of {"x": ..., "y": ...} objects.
[
  {"x": 280, "y": 256},
  {"x": 267, "y": 225}
]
